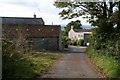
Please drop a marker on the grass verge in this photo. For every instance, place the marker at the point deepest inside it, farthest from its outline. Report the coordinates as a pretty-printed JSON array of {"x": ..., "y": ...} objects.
[
  {"x": 107, "y": 64},
  {"x": 28, "y": 65}
]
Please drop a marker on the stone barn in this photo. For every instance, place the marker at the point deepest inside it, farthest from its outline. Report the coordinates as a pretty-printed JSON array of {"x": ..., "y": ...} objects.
[{"x": 32, "y": 31}]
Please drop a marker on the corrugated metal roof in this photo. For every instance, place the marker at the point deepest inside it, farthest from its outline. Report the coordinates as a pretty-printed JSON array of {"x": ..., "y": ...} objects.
[{"x": 22, "y": 20}]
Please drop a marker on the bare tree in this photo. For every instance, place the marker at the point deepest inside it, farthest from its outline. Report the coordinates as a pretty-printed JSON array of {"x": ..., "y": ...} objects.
[{"x": 20, "y": 38}]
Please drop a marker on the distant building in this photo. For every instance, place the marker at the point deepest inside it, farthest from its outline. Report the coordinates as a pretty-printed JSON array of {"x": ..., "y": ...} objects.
[
  {"x": 78, "y": 34},
  {"x": 42, "y": 36},
  {"x": 87, "y": 26}
]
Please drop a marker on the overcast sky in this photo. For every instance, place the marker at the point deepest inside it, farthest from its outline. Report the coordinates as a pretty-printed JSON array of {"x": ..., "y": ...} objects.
[{"x": 26, "y": 8}]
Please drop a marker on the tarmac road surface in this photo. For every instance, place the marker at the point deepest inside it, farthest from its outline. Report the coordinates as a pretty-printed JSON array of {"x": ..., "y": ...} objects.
[{"x": 75, "y": 64}]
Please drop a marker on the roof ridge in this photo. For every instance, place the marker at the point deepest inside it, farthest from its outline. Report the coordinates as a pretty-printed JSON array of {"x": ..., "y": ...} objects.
[
  {"x": 82, "y": 30},
  {"x": 22, "y": 17},
  {"x": 22, "y": 20}
]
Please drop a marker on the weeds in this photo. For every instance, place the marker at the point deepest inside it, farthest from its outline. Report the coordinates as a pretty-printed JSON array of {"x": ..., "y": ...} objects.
[
  {"x": 106, "y": 63},
  {"x": 16, "y": 64}
]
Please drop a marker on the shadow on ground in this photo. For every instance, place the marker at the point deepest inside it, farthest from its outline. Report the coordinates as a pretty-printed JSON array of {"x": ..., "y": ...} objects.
[{"x": 75, "y": 49}]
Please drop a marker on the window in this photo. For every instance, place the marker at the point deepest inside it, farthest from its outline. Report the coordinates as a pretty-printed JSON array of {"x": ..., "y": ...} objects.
[{"x": 75, "y": 36}]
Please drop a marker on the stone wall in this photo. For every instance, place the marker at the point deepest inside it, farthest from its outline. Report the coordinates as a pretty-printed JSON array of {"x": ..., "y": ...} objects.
[
  {"x": 43, "y": 37},
  {"x": 45, "y": 43},
  {"x": 60, "y": 41}
]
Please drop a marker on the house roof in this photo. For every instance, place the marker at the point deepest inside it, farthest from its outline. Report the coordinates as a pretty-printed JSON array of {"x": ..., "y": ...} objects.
[
  {"x": 82, "y": 30},
  {"x": 22, "y": 20},
  {"x": 34, "y": 30}
]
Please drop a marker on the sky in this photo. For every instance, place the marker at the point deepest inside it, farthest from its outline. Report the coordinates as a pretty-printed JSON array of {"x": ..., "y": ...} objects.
[{"x": 42, "y": 8}]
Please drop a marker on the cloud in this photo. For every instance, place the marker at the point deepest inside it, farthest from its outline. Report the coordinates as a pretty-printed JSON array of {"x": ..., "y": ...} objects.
[
  {"x": 18, "y": 2},
  {"x": 26, "y": 8}
]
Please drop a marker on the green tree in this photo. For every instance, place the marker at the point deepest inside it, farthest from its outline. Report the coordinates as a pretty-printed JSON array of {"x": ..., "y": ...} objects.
[
  {"x": 99, "y": 12},
  {"x": 77, "y": 25}
]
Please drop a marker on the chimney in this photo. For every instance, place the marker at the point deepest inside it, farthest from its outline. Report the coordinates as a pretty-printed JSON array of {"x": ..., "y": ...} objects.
[
  {"x": 72, "y": 27},
  {"x": 52, "y": 23},
  {"x": 34, "y": 15}
]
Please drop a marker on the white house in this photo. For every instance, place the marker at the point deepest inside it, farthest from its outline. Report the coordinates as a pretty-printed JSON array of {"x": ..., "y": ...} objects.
[{"x": 77, "y": 34}]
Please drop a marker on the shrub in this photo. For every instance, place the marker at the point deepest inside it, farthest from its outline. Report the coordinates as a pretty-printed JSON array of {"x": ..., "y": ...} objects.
[
  {"x": 77, "y": 42},
  {"x": 14, "y": 65},
  {"x": 106, "y": 63},
  {"x": 105, "y": 52},
  {"x": 65, "y": 41},
  {"x": 74, "y": 43},
  {"x": 80, "y": 42},
  {"x": 18, "y": 65}
]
